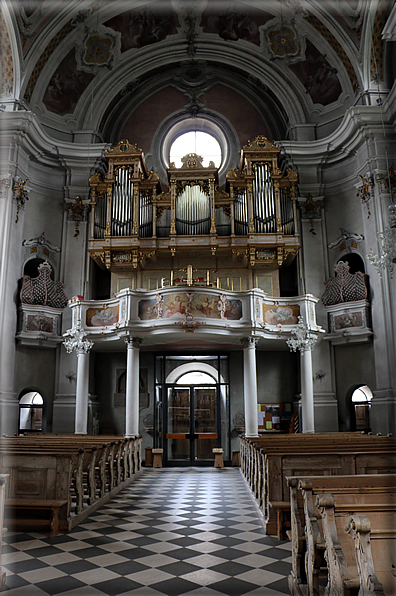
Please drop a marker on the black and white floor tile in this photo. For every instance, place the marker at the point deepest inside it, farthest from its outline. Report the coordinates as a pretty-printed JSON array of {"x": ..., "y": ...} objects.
[{"x": 173, "y": 531}]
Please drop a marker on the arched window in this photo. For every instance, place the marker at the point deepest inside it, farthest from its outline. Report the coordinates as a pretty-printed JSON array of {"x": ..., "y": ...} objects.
[
  {"x": 354, "y": 261},
  {"x": 361, "y": 403},
  {"x": 198, "y": 142},
  {"x": 196, "y": 378},
  {"x": 31, "y": 267},
  {"x": 31, "y": 412}
]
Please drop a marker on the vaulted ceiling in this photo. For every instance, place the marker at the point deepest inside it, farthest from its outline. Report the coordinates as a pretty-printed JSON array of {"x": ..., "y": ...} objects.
[{"x": 120, "y": 67}]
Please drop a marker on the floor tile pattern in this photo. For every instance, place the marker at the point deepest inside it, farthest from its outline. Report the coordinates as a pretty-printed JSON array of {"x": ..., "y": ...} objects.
[{"x": 172, "y": 532}]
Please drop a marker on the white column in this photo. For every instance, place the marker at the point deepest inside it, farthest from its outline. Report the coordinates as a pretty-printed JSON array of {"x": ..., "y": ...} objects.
[
  {"x": 132, "y": 387},
  {"x": 82, "y": 388},
  {"x": 76, "y": 341},
  {"x": 307, "y": 395},
  {"x": 250, "y": 386}
]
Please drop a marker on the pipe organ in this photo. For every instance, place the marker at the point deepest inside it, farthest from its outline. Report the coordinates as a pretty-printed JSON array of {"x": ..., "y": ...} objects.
[{"x": 254, "y": 217}]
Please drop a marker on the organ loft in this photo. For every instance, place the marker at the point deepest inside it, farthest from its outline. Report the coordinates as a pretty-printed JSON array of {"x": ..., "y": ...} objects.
[{"x": 250, "y": 228}]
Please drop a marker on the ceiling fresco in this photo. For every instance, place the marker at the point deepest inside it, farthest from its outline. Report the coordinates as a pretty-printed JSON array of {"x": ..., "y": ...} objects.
[
  {"x": 318, "y": 76},
  {"x": 315, "y": 49},
  {"x": 236, "y": 22},
  {"x": 140, "y": 28},
  {"x": 66, "y": 86}
]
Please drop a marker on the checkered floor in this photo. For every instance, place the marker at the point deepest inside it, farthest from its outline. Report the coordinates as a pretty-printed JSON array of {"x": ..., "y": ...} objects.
[{"x": 173, "y": 531}]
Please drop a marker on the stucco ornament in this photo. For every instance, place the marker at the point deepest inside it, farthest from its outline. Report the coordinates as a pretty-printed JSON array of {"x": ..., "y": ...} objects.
[
  {"x": 304, "y": 339},
  {"x": 99, "y": 48},
  {"x": 387, "y": 241},
  {"x": 76, "y": 340},
  {"x": 282, "y": 41}
]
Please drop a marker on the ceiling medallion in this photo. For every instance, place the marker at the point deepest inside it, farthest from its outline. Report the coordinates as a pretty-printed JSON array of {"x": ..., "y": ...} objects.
[
  {"x": 281, "y": 40},
  {"x": 99, "y": 48}
]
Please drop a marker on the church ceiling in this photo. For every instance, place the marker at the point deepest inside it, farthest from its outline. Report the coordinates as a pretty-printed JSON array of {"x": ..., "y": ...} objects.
[{"x": 69, "y": 50}]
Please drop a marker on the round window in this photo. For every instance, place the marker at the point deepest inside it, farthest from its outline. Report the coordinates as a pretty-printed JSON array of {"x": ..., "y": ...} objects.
[{"x": 201, "y": 143}]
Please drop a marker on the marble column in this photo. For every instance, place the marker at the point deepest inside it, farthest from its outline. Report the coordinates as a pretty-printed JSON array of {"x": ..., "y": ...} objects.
[
  {"x": 76, "y": 341},
  {"x": 82, "y": 388},
  {"x": 250, "y": 386},
  {"x": 132, "y": 387},
  {"x": 307, "y": 393}
]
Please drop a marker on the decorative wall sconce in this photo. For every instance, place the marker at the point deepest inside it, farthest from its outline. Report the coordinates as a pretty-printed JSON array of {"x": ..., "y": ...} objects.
[
  {"x": 20, "y": 196},
  {"x": 77, "y": 212},
  {"x": 70, "y": 376},
  {"x": 311, "y": 209},
  {"x": 364, "y": 191}
]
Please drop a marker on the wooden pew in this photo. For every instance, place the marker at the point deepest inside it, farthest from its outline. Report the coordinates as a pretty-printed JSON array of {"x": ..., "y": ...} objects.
[
  {"x": 266, "y": 462},
  {"x": 3, "y": 529},
  {"x": 319, "y": 557},
  {"x": 81, "y": 469}
]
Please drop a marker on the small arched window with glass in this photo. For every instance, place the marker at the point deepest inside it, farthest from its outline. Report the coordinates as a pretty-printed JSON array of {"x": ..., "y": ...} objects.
[
  {"x": 31, "y": 406},
  {"x": 361, "y": 403}
]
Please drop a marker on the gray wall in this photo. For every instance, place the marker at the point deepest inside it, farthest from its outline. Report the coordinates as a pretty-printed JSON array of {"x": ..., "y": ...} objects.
[
  {"x": 35, "y": 370},
  {"x": 354, "y": 365}
]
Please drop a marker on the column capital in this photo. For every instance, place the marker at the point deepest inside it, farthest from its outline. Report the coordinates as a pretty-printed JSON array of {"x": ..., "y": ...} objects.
[
  {"x": 249, "y": 342},
  {"x": 133, "y": 342},
  {"x": 76, "y": 340}
]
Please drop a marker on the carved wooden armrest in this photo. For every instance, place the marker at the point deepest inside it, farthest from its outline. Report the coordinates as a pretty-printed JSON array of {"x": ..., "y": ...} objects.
[{"x": 359, "y": 528}]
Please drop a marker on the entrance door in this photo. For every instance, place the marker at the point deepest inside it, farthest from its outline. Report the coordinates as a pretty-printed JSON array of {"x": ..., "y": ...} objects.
[{"x": 192, "y": 424}]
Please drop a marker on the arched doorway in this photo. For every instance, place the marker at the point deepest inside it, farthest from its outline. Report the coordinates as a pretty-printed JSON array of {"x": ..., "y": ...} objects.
[
  {"x": 360, "y": 406},
  {"x": 31, "y": 405},
  {"x": 192, "y": 408}
]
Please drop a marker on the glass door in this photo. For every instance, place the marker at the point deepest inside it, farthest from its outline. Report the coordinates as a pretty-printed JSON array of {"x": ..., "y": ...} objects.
[
  {"x": 178, "y": 417},
  {"x": 192, "y": 428},
  {"x": 205, "y": 426}
]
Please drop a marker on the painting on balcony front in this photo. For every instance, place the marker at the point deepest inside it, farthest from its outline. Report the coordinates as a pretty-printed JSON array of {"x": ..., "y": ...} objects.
[
  {"x": 275, "y": 314},
  {"x": 101, "y": 317},
  {"x": 199, "y": 305}
]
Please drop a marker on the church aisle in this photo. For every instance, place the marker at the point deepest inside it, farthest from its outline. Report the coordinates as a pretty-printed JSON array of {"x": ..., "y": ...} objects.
[{"x": 173, "y": 531}]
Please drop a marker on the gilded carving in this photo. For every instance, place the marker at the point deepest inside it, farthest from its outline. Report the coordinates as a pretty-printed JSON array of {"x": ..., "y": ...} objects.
[{"x": 260, "y": 142}]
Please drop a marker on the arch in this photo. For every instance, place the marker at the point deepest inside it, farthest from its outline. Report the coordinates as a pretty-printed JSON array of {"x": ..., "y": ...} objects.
[
  {"x": 359, "y": 411},
  {"x": 31, "y": 411},
  {"x": 139, "y": 65},
  {"x": 30, "y": 266},
  {"x": 183, "y": 369},
  {"x": 354, "y": 260}
]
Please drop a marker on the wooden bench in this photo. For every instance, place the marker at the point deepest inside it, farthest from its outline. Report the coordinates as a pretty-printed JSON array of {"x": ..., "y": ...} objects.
[
  {"x": 218, "y": 453},
  {"x": 282, "y": 509},
  {"x": 18, "y": 513}
]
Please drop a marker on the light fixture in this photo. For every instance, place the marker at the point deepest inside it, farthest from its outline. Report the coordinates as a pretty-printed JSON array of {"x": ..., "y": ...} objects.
[{"x": 304, "y": 339}]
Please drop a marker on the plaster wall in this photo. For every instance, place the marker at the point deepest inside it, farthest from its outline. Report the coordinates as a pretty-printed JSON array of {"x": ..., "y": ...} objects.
[
  {"x": 354, "y": 365},
  {"x": 105, "y": 370},
  {"x": 277, "y": 374},
  {"x": 35, "y": 370}
]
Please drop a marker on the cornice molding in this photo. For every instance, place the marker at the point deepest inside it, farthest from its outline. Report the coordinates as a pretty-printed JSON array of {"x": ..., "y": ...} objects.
[
  {"x": 359, "y": 123},
  {"x": 24, "y": 129}
]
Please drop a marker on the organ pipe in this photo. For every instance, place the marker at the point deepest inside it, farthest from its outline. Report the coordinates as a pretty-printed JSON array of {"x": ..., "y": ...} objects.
[{"x": 192, "y": 212}]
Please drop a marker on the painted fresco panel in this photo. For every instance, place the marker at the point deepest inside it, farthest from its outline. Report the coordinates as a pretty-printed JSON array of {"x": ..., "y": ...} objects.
[
  {"x": 200, "y": 305},
  {"x": 275, "y": 314},
  {"x": 101, "y": 317}
]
